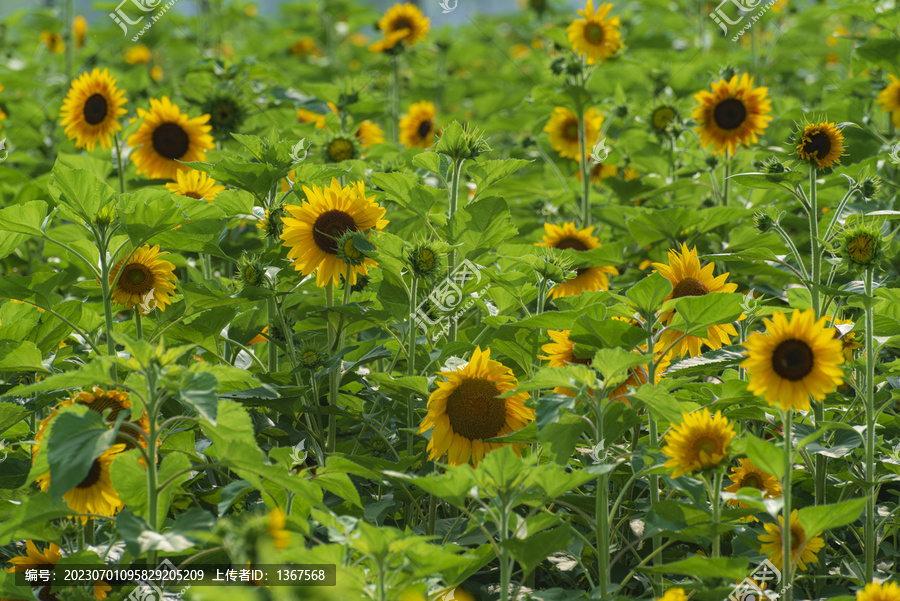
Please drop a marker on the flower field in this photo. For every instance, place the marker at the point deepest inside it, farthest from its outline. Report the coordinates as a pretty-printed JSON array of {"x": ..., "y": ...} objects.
[{"x": 336, "y": 302}]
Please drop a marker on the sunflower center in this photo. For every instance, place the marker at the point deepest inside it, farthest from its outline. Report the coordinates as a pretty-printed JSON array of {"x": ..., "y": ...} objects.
[
  {"x": 102, "y": 403},
  {"x": 593, "y": 33},
  {"x": 192, "y": 194},
  {"x": 424, "y": 128},
  {"x": 751, "y": 481},
  {"x": 92, "y": 477},
  {"x": 730, "y": 113},
  {"x": 689, "y": 287},
  {"x": 573, "y": 243},
  {"x": 224, "y": 113},
  {"x": 706, "y": 445},
  {"x": 798, "y": 537},
  {"x": 340, "y": 150},
  {"x": 570, "y": 131},
  {"x": 351, "y": 251},
  {"x": 474, "y": 410},
  {"x": 860, "y": 248},
  {"x": 95, "y": 109},
  {"x": 170, "y": 141},
  {"x": 136, "y": 279},
  {"x": 819, "y": 145},
  {"x": 792, "y": 360},
  {"x": 329, "y": 226},
  {"x": 401, "y": 23}
]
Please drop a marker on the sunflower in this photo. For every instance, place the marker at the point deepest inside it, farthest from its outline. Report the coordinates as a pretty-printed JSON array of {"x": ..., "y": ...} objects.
[
  {"x": 165, "y": 135},
  {"x": 600, "y": 172},
  {"x": 802, "y": 551},
  {"x": 34, "y": 558},
  {"x": 341, "y": 148},
  {"x": 688, "y": 278},
  {"x": 589, "y": 279},
  {"x": 734, "y": 112},
  {"x": 595, "y": 37},
  {"x": 53, "y": 41},
  {"x": 700, "y": 441},
  {"x": 91, "y": 110},
  {"x": 849, "y": 342},
  {"x": 417, "y": 126},
  {"x": 401, "y": 22},
  {"x": 662, "y": 118},
  {"x": 95, "y": 494},
  {"x": 226, "y": 114},
  {"x": 145, "y": 279},
  {"x": 889, "y": 99},
  {"x": 562, "y": 129},
  {"x": 886, "y": 591},
  {"x": 305, "y": 46},
  {"x": 275, "y": 528},
  {"x": 748, "y": 475},
  {"x": 466, "y": 409},
  {"x": 138, "y": 55},
  {"x": 313, "y": 229},
  {"x": 196, "y": 184},
  {"x": 79, "y": 30},
  {"x": 821, "y": 143},
  {"x": 156, "y": 73},
  {"x": 305, "y": 116},
  {"x": 369, "y": 134},
  {"x": 794, "y": 360},
  {"x": 674, "y": 594}
]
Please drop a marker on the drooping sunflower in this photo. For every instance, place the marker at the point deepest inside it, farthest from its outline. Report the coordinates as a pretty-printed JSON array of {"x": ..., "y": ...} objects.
[
  {"x": 146, "y": 280},
  {"x": 595, "y": 37},
  {"x": 700, "y": 441},
  {"x": 402, "y": 22},
  {"x": 562, "y": 129},
  {"x": 886, "y": 591},
  {"x": 821, "y": 143},
  {"x": 166, "y": 136},
  {"x": 688, "y": 278},
  {"x": 312, "y": 230},
  {"x": 369, "y": 134},
  {"x": 95, "y": 493},
  {"x": 195, "y": 184},
  {"x": 889, "y": 99},
  {"x": 589, "y": 279},
  {"x": 733, "y": 113},
  {"x": 794, "y": 360},
  {"x": 340, "y": 148},
  {"x": 417, "y": 126},
  {"x": 91, "y": 110},
  {"x": 748, "y": 475},
  {"x": 803, "y": 551},
  {"x": 466, "y": 409}
]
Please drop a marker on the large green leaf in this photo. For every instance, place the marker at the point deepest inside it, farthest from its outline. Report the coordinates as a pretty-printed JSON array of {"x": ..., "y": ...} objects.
[
  {"x": 148, "y": 212},
  {"x": 24, "y": 219},
  {"x": 20, "y": 356},
  {"x": 820, "y": 518},
  {"x": 481, "y": 226},
  {"x": 648, "y": 294},
  {"x": 80, "y": 195},
  {"x": 78, "y": 436},
  {"x": 694, "y": 315},
  {"x": 488, "y": 173}
]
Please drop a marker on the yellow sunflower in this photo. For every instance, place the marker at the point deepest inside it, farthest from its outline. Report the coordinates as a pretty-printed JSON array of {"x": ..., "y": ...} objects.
[
  {"x": 34, "y": 558},
  {"x": 305, "y": 116},
  {"x": 369, "y": 133},
  {"x": 401, "y": 22},
  {"x": 600, "y": 172},
  {"x": 280, "y": 536},
  {"x": 700, "y": 441},
  {"x": 562, "y": 129},
  {"x": 196, "y": 184},
  {"x": 748, "y": 475},
  {"x": 821, "y": 143},
  {"x": 417, "y": 126},
  {"x": 794, "y": 360},
  {"x": 674, "y": 594},
  {"x": 165, "y": 135},
  {"x": 886, "y": 591},
  {"x": 595, "y": 37},
  {"x": 312, "y": 230},
  {"x": 802, "y": 551},
  {"x": 95, "y": 494},
  {"x": 138, "y": 55},
  {"x": 146, "y": 281},
  {"x": 91, "y": 110},
  {"x": 688, "y": 278},
  {"x": 305, "y": 46},
  {"x": 849, "y": 342},
  {"x": 734, "y": 112},
  {"x": 53, "y": 41},
  {"x": 589, "y": 279},
  {"x": 466, "y": 409},
  {"x": 79, "y": 30},
  {"x": 889, "y": 99}
]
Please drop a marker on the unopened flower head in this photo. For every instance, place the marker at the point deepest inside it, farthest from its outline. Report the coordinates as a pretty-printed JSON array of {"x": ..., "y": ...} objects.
[{"x": 862, "y": 245}]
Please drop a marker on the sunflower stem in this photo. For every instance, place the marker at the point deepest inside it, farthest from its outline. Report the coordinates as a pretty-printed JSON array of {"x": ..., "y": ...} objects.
[
  {"x": 138, "y": 324},
  {"x": 395, "y": 99},
  {"x": 653, "y": 442},
  {"x": 814, "y": 240},
  {"x": 726, "y": 182},
  {"x": 152, "y": 434},
  {"x": 504, "y": 551},
  {"x": 542, "y": 296},
  {"x": 870, "y": 432},
  {"x": 585, "y": 170},
  {"x": 120, "y": 171},
  {"x": 107, "y": 300},
  {"x": 602, "y": 512},
  {"x": 411, "y": 363},
  {"x": 455, "y": 176},
  {"x": 786, "y": 571},
  {"x": 716, "y": 512},
  {"x": 69, "y": 40}
]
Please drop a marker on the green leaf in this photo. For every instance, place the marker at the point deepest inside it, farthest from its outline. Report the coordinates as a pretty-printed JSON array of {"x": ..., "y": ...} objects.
[
  {"x": 488, "y": 173},
  {"x": 502, "y": 471},
  {"x": 569, "y": 376},
  {"x": 95, "y": 373},
  {"x": 480, "y": 227},
  {"x": 79, "y": 194},
  {"x": 452, "y": 486},
  {"x": 532, "y": 551},
  {"x": 715, "y": 361},
  {"x": 661, "y": 403},
  {"x": 20, "y": 356},
  {"x": 769, "y": 181},
  {"x": 820, "y": 518},
  {"x": 434, "y": 162},
  {"x": 765, "y": 455},
  {"x": 74, "y": 442},
  {"x": 694, "y": 315},
  {"x": 10, "y": 415},
  {"x": 611, "y": 362},
  {"x": 704, "y": 568},
  {"x": 606, "y": 333},
  {"x": 148, "y": 212},
  {"x": 648, "y": 294},
  {"x": 33, "y": 519},
  {"x": 24, "y": 219},
  {"x": 199, "y": 391},
  {"x": 256, "y": 178}
]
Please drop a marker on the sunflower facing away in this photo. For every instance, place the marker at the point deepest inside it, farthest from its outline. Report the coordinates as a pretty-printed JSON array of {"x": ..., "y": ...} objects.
[
  {"x": 146, "y": 280},
  {"x": 794, "y": 360},
  {"x": 802, "y": 551},
  {"x": 562, "y": 129},
  {"x": 849, "y": 342},
  {"x": 734, "y": 112},
  {"x": 401, "y": 22},
  {"x": 312, "y": 230},
  {"x": 595, "y": 37},
  {"x": 700, "y": 441},
  {"x": 688, "y": 278},
  {"x": 195, "y": 184},
  {"x": 750, "y": 476},
  {"x": 589, "y": 279},
  {"x": 466, "y": 409},
  {"x": 165, "y": 135},
  {"x": 820, "y": 143},
  {"x": 95, "y": 494},
  {"x": 889, "y": 99},
  {"x": 886, "y": 591},
  {"x": 417, "y": 126},
  {"x": 91, "y": 110}
]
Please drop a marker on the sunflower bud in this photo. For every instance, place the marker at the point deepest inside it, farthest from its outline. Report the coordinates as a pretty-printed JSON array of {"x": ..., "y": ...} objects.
[
  {"x": 226, "y": 114},
  {"x": 862, "y": 245},
  {"x": 425, "y": 260},
  {"x": 558, "y": 65},
  {"x": 251, "y": 271},
  {"x": 555, "y": 267},
  {"x": 712, "y": 162},
  {"x": 272, "y": 223},
  {"x": 727, "y": 72},
  {"x": 870, "y": 187},
  {"x": 105, "y": 216},
  {"x": 764, "y": 222},
  {"x": 352, "y": 248},
  {"x": 311, "y": 357},
  {"x": 341, "y": 148},
  {"x": 461, "y": 143},
  {"x": 773, "y": 165}
]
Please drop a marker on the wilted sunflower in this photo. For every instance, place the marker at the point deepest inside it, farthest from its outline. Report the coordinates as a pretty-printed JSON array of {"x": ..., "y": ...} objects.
[
  {"x": 688, "y": 278},
  {"x": 802, "y": 551},
  {"x": 417, "y": 126},
  {"x": 821, "y": 143},
  {"x": 700, "y": 441},
  {"x": 91, "y": 110},
  {"x": 226, "y": 114},
  {"x": 562, "y": 129},
  {"x": 466, "y": 409},
  {"x": 886, "y": 591},
  {"x": 401, "y": 22},
  {"x": 95, "y": 493},
  {"x": 341, "y": 148},
  {"x": 146, "y": 280},
  {"x": 165, "y": 135},
  {"x": 889, "y": 99},
  {"x": 312, "y": 230},
  {"x": 793, "y": 360},
  {"x": 595, "y": 37},
  {"x": 195, "y": 184},
  {"x": 589, "y": 279},
  {"x": 750, "y": 476},
  {"x": 734, "y": 112},
  {"x": 369, "y": 133}
]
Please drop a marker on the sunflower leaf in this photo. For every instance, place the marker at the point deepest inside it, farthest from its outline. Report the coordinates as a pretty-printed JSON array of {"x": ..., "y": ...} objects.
[
  {"x": 648, "y": 294},
  {"x": 488, "y": 173},
  {"x": 765, "y": 455},
  {"x": 825, "y": 517},
  {"x": 80, "y": 195},
  {"x": 75, "y": 440},
  {"x": 24, "y": 219}
]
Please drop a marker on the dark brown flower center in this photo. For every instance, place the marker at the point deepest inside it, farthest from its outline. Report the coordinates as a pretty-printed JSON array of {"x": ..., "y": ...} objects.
[
  {"x": 751, "y": 481},
  {"x": 792, "y": 360},
  {"x": 424, "y": 128},
  {"x": 474, "y": 410},
  {"x": 400, "y": 23},
  {"x": 798, "y": 537},
  {"x": 95, "y": 109},
  {"x": 706, "y": 445},
  {"x": 92, "y": 477},
  {"x": 170, "y": 141},
  {"x": 136, "y": 278},
  {"x": 730, "y": 113},
  {"x": 329, "y": 226},
  {"x": 102, "y": 403},
  {"x": 689, "y": 287},
  {"x": 573, "y": 243},
  {"x": 570, "y": 131},
  {"x": 195, "y": 195},
  {"x": 593, "y": 33},
  {"x": 819, "y": 145}
]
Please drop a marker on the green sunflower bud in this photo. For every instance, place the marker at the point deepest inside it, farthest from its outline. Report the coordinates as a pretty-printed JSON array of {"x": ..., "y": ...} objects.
[
  {"x": 461, "y": 143},
  {"x": 251, "y": 271},
  {"x": 425, "y": 260},
  {"x": 764, "y": 222},
  {"x": 870, "y": 186},
  {"x": 352, "y": 248},
  {"x": 862, "y": 245},
  {"x": 341, "y": 148},
  {"x": 773, "y": 165}
]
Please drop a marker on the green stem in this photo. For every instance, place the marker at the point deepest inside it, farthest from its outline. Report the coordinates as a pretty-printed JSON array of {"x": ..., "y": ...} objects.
[
  {"x": 152, "y": 434},
  {"x": 602, "y": 513},
  {"x": 272, "y": 312},
  {"x": 653, "y": 442},
  {"x": 716, "y": 512},
  {"x": 455, "y": 176},
  {"x": 726, "y": 182},
  {"x": 786, "y": 571},
  {"x": 395, "y": 99},
  {"x": 107, "y": 300},
  {"x": 411, "y": 363},
  {"x": 819, "y": 414},
  {"x": 120, "y": 171},
  {"x": 332, "y": 382},
  {"x": 138, "y": 324},
  {"x": 542, "y": 296},
  {"x": 585, "y": 170},
  {"x": 870, "y": 433},
  {"x": 505, "y": 572},
  {"x": 70, "y": 43},
  {"x": 814, "y": 239}
]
